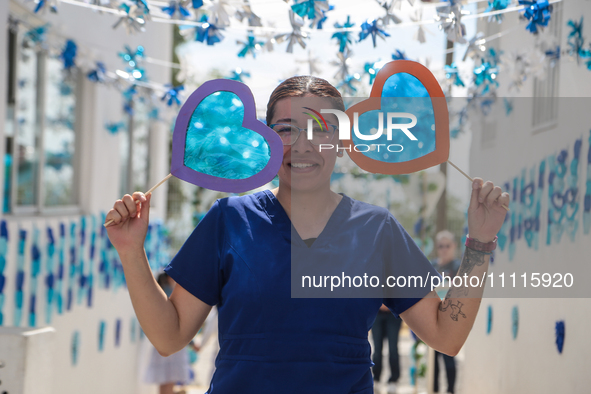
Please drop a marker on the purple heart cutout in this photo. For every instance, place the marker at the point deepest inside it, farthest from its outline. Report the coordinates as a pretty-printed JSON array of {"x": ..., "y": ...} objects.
[{"x": 179, "y": 137}]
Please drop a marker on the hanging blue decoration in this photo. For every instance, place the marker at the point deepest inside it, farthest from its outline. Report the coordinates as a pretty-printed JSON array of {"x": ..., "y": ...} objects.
[
  {"x": 3, "y": 254},
  {"x": 497, "y": 5},
  {"x": 197, "y": 3},
  {"x": 72, "y": 267},
  {"x": 321, "y": 18},
  {"x": 176, "y": 8},
  {"x": 514, "y": 321},
  {"x": 133, "y": 58},
  {"x": 538, "y": 13},
  {"x": 310, "y": 8},
  {"x": 208, "y": 32},
  {"x": 475, "y": 47},
  {"x": 34, "y": 275},
  {"x": 508, "y": 106},
  {"x": 485, "y": 75},
  {"x": 68, "y": 55},
  {"x": 74, "y": 347},
  {"x": 452, "y": 73},
  {"x": 98, "y": 74},
  {"x": 114, "y": 128},
  {"x": 90, "y": 276},
  {"x": 20, "y": 278},
  {"x": 238, "y": 74},
  {"x": 372, "y": 69},
  {"x": 344, "y": 36},
  {"x": 172, "y": 94},
  {"x": 36, "y": 36},
  {"x": 559, "y": 328},
  {"x": 399, "y": 55},
  {"x": 575, "y": 40},
  {"x": 251, "y": 45},
  {"x": 44, "y": 4},
  {"x": 143, "y": 5},
  {"x": 389, "y": 8},
  {"x": 101, "y": 335},
  {"x": 117, "y": 332},
  {"x": 80, "y": 269},
  {"x": 347, "y": 85},
  {"x": 489, "y": 319},
  {"x": 59, "y": 300},
  {"x": 372, "y": 29}
]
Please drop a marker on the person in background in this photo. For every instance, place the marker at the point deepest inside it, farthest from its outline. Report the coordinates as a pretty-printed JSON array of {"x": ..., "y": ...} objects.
[
  {"x": 445, "y": 263},
  {"x": 168, "y": 371},
  {"x": 386, "y": 325}
]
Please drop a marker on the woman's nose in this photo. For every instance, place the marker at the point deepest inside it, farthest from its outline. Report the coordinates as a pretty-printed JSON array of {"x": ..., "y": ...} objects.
[{"x": 302, "y": 144}]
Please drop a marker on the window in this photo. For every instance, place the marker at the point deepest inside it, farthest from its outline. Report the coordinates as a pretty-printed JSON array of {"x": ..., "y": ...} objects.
[
  {"x": 545, "y": 105},
  {"x": 134, "y": 147},
  {"x": 40, "y": 130}
]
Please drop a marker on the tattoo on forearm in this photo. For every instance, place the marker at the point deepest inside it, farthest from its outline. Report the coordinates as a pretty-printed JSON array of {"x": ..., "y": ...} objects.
[
  {"x": 456, "y": 309},
  {"x": 472, "y": 258}
]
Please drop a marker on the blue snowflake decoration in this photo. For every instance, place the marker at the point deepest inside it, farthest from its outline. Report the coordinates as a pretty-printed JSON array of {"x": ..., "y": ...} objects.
[
  {"x": 176, "y": 8},
  {"x": 250, "y": 46},
  {"x": 497, "y": 5},
  {"x": 208, "y": 32},
  {"x": 372, "y": 70},
  {"x": 68, "y": 55},
  {"x": 114, "y": 128},
  {"x": 575, "y": 40},
  {"x": 37, "y": 35},
  {"x": 399, "y": 55},
  {"x": 310, "y": 8},
  {"x": 172, "y": 94},
  {"x": 133, "y": 58},
  {"x": 128, "y": 95},
  {"x": 238, "y": 75},
  {"x": 98, "y": 74},
  {"x": 197, "y": 3},
  {"x": 372, "y": 29},
  {"x": 43, "y": 4},
  {"x": 343, "y": 37},
  {"x": 452, "y": 73},
  {"x": 537, "y": 13},
  {"x": 322, "y": 18},
  {"x": 347, "y": 85}
]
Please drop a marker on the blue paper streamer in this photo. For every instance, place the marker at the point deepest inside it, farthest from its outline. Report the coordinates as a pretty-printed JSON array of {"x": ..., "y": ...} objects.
[
  {"x": 91, "y": 261},
  {"x": 309, "y": 8},
  {"x": 489, "y": 319},
  {"x": 68, "y": 54},
  {"x": 372, "y": 29},
  {"x": 117, "y": 332},
  {"x": 197, "y": 3},
  {"x": 59, "y": 300},
  {"x": 20, "y": 278},
  {"x": 80, "y": 269},
  {"x": 587, "y": 198},
  {"x": 72, "y": 267},
  {"x": 101, "y": 335},
  {"x": 322, "y": 18},
  {"x": 34, "y": 275},
  {"x": 514, "y": 322},
  {"x": 343, "y": 37},
  {"x": 114, "y": 128},
  {"x": 74, "y": 347},
  {"x": 538, "y": 13},
  {"x": 560, "y": 332},
  {"x": 49, "y": 276},
  {"x": 3, "y": 253}
]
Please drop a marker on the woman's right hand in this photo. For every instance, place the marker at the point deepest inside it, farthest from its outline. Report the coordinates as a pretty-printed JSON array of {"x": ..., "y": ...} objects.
[{"x": 130, "y": 217}]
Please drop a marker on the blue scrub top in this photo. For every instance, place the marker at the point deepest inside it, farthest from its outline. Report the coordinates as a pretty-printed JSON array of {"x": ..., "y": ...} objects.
[{"x": 238, "y": 258}]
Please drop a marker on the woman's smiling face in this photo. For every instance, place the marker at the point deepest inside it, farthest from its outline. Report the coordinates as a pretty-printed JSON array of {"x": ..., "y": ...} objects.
[{"x": 305, "y": 166}]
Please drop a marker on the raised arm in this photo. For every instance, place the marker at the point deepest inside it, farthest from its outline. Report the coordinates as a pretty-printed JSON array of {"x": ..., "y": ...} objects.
[
  {"x": 169, "y": 323},
  {"x": 445, "y": 325}
]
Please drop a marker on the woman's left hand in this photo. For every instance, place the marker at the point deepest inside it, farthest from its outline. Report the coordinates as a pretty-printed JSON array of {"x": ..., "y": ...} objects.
[{"x": 486, "y": 213}]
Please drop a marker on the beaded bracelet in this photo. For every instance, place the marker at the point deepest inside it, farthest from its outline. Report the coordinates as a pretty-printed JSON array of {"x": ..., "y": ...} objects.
[{"x": 486, "y": 248}]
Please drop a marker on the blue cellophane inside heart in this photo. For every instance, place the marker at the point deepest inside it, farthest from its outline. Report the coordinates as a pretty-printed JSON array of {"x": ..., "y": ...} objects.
[
  {"x": 402, "y": 93},
  {"x": 218, "y": 145}
]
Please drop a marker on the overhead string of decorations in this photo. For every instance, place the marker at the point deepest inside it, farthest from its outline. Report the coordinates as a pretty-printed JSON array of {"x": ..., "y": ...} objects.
[{"x": 206, "y": 21}]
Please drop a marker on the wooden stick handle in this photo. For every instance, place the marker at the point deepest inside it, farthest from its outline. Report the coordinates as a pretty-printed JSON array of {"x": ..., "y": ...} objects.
[
  {"x": 471, "y": 180},
  {"x": 148, "y": 192}
]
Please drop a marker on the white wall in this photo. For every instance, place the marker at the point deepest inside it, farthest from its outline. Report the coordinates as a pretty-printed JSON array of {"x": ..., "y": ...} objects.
[
  {"x": 531, "y": 363},
  {"x": 114, "y": 369}
]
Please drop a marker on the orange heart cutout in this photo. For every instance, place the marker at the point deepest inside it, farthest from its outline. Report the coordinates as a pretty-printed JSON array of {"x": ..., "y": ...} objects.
[{"x": 441, "y": 121}]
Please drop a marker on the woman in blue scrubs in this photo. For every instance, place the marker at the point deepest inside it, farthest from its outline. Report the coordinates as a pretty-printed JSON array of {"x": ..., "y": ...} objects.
[{"x": 246, "y": 251}]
